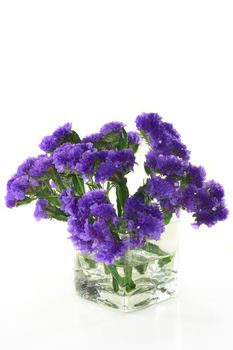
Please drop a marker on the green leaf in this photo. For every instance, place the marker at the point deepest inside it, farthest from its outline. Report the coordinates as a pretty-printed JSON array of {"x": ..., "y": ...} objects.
[
  {"x": 134, "y": 148},
  {"x": 25, "y": 201},
  {"x": 154, "y": 249},
  {"x": 141, "y": 268},
  {"x": 78, "y": 184},
  {"x": 92, "y": 263},
  {"x": 165, "y": 261},
  {"x": 57, "y": 179},
  {"x": 123, "y": 142},
  {"x": 56, "y": 213},
  {"x": 184, "y": 182},
  {"x": 74, "y": 137},
  {"x": 112, "y": 138},
  {"x": 147, "y": 169},
  {"x": 53, "y": 200},
  {"x": 167, "y": 217},
  {"x": 122, "y": 193}
]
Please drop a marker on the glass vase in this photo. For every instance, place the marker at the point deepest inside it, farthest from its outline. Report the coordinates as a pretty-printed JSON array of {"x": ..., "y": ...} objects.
[{"x": 141, "y": 278}]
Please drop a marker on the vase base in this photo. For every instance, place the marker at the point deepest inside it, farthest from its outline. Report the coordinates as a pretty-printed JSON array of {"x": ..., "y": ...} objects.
[{"x": 146, "y": 293}]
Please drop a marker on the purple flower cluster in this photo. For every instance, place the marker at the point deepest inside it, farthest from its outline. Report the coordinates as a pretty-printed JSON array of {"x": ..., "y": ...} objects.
[
  {"x": 85, "y": 159},
  {"x": 109, "y": 128},
  {"x": 166, "y": 191},
  {"x": 162, "y": 136},
  {"x": 207, "y": 203},
  {"x": 109, "y": 155},
  {"x": 113, "y": 127},
  {"x": 49, "y": 143},
  {"x": 166, "y": 165},
  {"x": 173, "y": 166},
  {"x": 40, "y": 210},
  {"x": 27, "y": 176},
  {"x": 91, "y": 222},
  {"x": 133, "y": 138},
  {"x": 144, "y": 221},
  {"x": 68, "y": 155}
]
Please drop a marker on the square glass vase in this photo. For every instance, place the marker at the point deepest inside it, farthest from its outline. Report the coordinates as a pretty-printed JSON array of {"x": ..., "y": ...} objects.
[{"x": 141, "y": 278}]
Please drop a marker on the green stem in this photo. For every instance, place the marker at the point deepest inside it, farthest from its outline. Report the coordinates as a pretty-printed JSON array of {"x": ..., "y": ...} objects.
[
  {"x": 129, "y": 283},
  {"x": 117, "y": 280},
  {"x": 58, "y": 181},
  {"x": 55, "y": 213},
  {"x": 122, "y": 193},
  {"x": 78, "y": 184}
]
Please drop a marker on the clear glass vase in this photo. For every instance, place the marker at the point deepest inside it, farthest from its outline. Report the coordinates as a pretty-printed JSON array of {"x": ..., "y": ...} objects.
[{"x": 143, "y": 277}]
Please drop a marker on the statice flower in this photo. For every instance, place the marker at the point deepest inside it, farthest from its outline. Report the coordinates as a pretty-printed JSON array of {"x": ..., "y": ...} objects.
[
  {"x": 195, "y": 175},
  {"x": 104, "y": 211},
  {"x": 95, "y": 228},
  {"x": 206, "y": 203},
  {"x": 92, "y": 197},
  {"x": 165, "y": 165},
  {"x": 144, "y": 220},
  {"x": 68, "y": 155},
  {"x": 26, "y": 177},
  {"x": 162, "y": 137},
  {"x": 160, "y": 188},
  {"x": 133, "y": 138},
  {"x": 16, "y": 190},
  {"x": 105, "y": 164},
  {"x": 40, "y": 165},
  {"x": 166, "y": 191},
  {"x": 49, "y": 143},
  {"x": 113, "y": 127},
  {"x": 93, "y": 138},
  {"x": 90, "y": 225},
  {"x": 69, "y": 202},
  {"x": 40, "y": 210},
  {"x": 107, "y": 138},
  {"x": 116, "y": 161}
]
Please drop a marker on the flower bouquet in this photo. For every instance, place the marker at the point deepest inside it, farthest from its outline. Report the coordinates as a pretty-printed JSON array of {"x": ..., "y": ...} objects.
[{"x": 125, "y": 242}]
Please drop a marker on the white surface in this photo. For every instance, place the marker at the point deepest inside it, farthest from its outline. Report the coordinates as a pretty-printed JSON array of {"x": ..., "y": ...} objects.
[{"x": 92, "y": 62}]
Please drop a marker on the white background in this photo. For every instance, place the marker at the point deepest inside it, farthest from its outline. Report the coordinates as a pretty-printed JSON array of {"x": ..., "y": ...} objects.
[{"x": 90, "y": 62}]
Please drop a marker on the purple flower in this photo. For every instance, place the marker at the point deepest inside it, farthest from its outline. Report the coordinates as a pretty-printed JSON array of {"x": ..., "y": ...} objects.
[
  {"x": 104, "y": 164},
  {"x": 23, "y": 169},
  {"x": 170, "y": 165},
  {"x": 144, "y": 220},
  {"x": 93, "y": 138},
  {"x": 90, "y": 225},
  {"x": 160, "y": 188},
  {"x": 195, "y": 175},
  {"x": 133, "y": 138},
  {"x": 90, "y": 198},
  {"x": 149, "y": 123},
  {"x": 49, "y": 143},
  {"x": 40, "y": 210},
  {"x": 16, "y": 190},
  {"x": 68, "y": 155},
  {"x": 69, "y": 202},
  {"x": 104, "y": 211},
  {"x": 62, "y": 131},
  {"x": 89, "y": 161},
  {"x": 166, "y": 165},
  {"x": 206, "y": 203},
  {"x": 162, "y": 137},
  {"x": 116, "y": 161},
  {"x": 113, "y": 127},
  {"x": 40, "y": 165}
]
